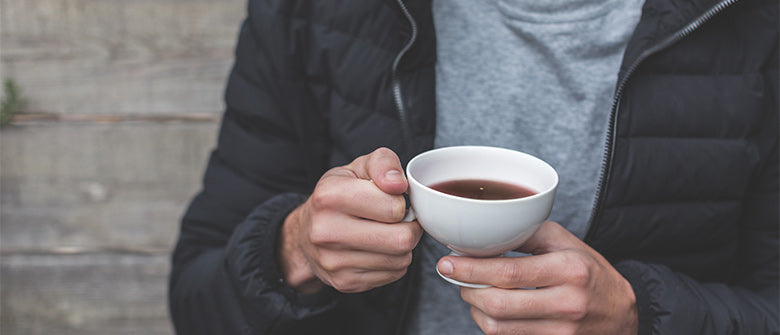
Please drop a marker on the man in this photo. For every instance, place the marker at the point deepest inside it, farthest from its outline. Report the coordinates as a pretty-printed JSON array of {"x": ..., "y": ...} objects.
[{"x": 297, "y": 228}]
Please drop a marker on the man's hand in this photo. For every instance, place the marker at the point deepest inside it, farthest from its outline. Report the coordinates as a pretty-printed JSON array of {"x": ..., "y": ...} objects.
[
  {"x": 347, "y": 234},
  {"x": 577, "y": 290}
]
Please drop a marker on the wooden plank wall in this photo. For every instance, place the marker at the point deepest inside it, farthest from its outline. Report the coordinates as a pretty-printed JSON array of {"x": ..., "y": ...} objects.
[
  {"x": 120, "y": 57},
  {"x": 123, "y": 103}
]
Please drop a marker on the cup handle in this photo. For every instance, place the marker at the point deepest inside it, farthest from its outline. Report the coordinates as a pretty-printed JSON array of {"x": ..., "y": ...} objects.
[{"x": 410, "y": 216}]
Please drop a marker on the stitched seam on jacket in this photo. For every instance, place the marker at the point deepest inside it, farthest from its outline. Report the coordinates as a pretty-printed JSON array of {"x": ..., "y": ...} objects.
[
  {"x": 686, "y": 138},
  {"x": 351, "y": 35},
  {"x": 674, "y": 203},
  {"x": 699, "y": 74},
  {"x": 365, "y": 39},
  {"x": 370, "y": 109}
]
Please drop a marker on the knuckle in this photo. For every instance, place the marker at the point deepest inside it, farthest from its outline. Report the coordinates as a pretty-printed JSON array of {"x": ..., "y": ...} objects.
[
  {"x": 496, "y": 306},
  {"x": 577, "y": 270},
  {"x": 357, "y": 162},
  {"x": 346, "y": 285},
  {"x": 330, "y": 264},
  {"x": 395, "y": 263},
  {"x": 467, "y": 270},
  {"x": 508, "y": 273},
  {"x": 382, "y": 151},
  {"x": 579, "y": 274},
  {"x": 397, "y": 275},
  {"x": 397, "y": 209},
  {"x": 399, "y": 263},
  {"x": 490, "y": 326},
  {"x": 320, "y": 234},
  {"x": 381, "y": 156},
  {"x": 407, "y": 261},
  {"x": 321, "y": 198},
  {"x": 405, "y": 241},
  {"x": 574, "y": 308}
]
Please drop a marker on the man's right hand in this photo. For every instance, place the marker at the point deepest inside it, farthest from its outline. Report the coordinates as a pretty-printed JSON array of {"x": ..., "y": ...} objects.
[{"x": 347, "y": 234}]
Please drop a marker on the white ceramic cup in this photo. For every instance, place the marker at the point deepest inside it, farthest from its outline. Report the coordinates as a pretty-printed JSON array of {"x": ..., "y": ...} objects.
[{"x": 475, "y": 227}]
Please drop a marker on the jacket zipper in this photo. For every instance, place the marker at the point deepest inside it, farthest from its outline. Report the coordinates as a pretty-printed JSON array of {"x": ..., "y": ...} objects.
[
  {"x": 408, "y": 142},
  {"x": 406, "y": 131},
  {"x": 611, "y": 128}
]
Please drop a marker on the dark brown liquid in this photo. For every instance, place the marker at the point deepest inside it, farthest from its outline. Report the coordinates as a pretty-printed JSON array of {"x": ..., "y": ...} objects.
[{"x": 483, "y": 189}]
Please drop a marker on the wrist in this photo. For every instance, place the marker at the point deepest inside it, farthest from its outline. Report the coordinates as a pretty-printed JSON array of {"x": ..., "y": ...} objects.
[{"x": 633, "y": 321}]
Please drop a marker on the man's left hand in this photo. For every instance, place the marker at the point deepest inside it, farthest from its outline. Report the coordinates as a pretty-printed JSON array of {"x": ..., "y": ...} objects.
[{"x": 577, "y": 290}]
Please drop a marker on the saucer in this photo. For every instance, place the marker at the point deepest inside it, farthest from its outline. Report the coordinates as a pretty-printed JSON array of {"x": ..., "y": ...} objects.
[{"x": 460, "y": 283}]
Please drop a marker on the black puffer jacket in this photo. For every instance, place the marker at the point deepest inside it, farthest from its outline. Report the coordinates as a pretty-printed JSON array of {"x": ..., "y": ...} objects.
[{"x": 688, "y": 202}]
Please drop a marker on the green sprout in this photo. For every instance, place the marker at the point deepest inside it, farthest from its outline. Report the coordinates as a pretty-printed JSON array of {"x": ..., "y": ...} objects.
[{"x": 11, "y": 102}]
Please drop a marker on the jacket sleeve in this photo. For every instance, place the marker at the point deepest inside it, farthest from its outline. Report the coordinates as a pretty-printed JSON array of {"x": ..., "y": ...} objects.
[
  {"x": 224, "y": 277},
  {"x": 670, "y": 302}
]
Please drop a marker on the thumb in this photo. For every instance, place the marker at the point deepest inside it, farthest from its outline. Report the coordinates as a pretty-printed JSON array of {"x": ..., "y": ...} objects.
[{"x": 384, "y": 168}]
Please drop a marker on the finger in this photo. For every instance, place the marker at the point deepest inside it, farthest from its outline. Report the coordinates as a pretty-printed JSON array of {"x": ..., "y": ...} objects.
[
  {"x": 333, "y": 261},
  {"x": 506, "y": 272},
  {"x": 558, "y": 302},
  {"x": 384, "y": 168},
  {"x": 550, "y": 237},
  {"x": 357, "y": 197},
  {"x": 366, "y": 235},
  {"x": 362, "y": 281},
  {"x": 538, "y": 326}
]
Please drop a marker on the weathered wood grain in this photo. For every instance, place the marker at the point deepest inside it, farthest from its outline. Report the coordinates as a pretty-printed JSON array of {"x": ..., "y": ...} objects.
[
  {"x": 86, "y": 186},
  {"x": 84, "y": 294},
  {"x": 119, "y": 57},
  {"x": 92, "y": 188}
]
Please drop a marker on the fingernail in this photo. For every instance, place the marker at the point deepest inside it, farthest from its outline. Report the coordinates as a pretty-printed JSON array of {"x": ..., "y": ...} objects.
[
  {"x": 394, "y": 175},
  {"x": 445, "y": 268}
]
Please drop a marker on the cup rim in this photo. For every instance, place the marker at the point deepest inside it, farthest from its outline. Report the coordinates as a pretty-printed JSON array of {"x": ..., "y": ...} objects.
[{"x": 539, "y": 194}]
